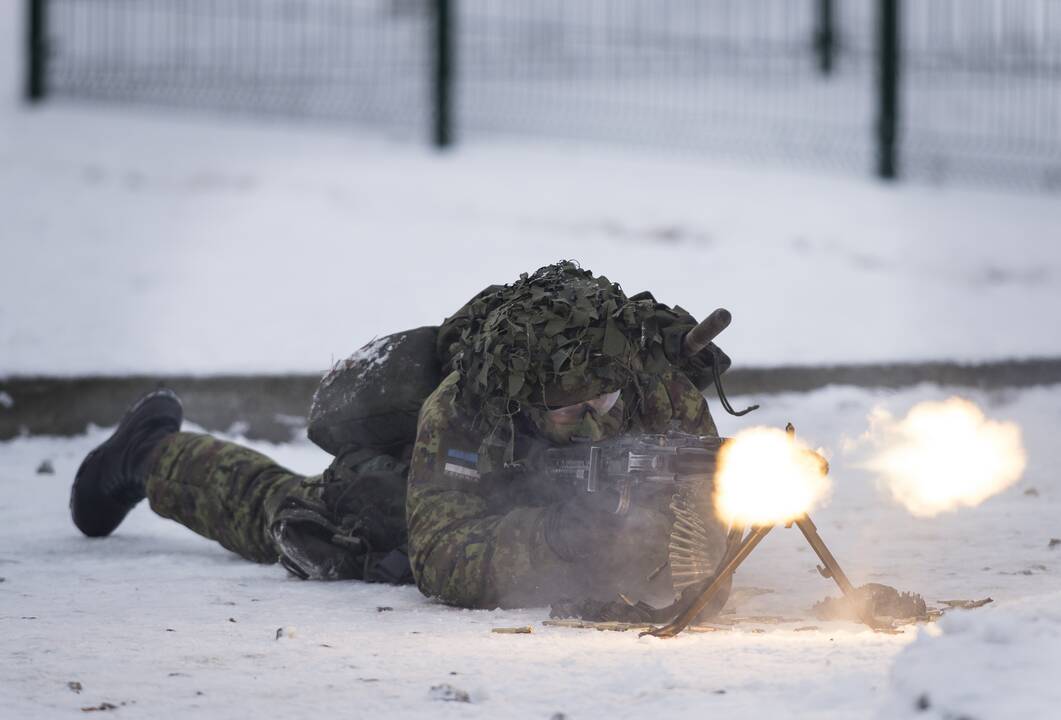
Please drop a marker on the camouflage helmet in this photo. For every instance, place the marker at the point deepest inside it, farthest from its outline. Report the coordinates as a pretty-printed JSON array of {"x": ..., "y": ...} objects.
[{"x": 558, "y": 333}]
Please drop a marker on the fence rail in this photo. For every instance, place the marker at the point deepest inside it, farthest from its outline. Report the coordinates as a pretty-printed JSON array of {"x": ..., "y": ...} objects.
[{"x": 933, "y": 88}]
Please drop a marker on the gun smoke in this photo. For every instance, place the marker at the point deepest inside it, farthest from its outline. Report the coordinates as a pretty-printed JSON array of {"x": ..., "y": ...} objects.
[{"x": 942, "y": 455}]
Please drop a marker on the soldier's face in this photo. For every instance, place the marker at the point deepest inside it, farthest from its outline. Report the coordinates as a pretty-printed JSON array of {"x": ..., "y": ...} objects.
[
  {"x": 593, "y": 419},
  {"x": 573, "y": 414}
]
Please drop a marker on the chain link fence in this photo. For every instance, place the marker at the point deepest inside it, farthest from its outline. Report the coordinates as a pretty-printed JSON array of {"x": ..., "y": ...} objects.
[
  {"x": 328, "y": 59},
  {"x": 937, "y": 89}
]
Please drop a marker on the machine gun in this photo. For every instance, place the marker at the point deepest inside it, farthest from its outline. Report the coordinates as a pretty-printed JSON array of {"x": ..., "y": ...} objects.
[
  {"x": 683, "y": 466},
  {"x": 632, "y": 465},
  {"x": 672, "y": 473}
]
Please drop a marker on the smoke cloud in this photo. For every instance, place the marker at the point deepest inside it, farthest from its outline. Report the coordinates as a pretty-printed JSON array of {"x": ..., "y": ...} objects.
[{"x": 942, "y": 455}]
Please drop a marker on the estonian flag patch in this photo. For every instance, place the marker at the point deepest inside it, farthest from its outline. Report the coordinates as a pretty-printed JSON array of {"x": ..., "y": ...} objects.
[{"x": 462, "y": 464}]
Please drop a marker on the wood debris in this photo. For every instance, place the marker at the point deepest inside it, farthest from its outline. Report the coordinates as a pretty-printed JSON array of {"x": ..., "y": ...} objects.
[
  {"x": 965, "y": 604},
  {"x": 102, "y": 707},
  {"x": 758, "y": 619},
  {"x": 615, "y": 626}
]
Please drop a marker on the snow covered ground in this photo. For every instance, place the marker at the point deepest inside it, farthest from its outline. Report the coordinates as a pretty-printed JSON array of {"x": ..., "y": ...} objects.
[
  {"x": 149, "y": 242},
  {"x": 168, "y": 623}
]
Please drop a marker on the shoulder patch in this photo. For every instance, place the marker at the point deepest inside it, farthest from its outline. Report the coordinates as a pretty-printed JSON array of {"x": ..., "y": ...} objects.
[
  {"x": 465, "y": 456},
  {"x": 461, "y": 464},
  {"x": 459, "y": 471}
]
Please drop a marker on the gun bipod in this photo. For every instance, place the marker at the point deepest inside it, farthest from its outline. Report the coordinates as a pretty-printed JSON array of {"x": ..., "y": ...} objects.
[
  {"x": 733, "y": 560},
  {"x": 700, "y": 601}
]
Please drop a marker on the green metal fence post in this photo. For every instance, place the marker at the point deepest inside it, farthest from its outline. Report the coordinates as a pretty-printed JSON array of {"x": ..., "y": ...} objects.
[
  {"x": 825, "y": 36},
  {"x": 36, "y": 50},
  {"x": 888, "y": 56},
  {"x": 442, "y": 75}
]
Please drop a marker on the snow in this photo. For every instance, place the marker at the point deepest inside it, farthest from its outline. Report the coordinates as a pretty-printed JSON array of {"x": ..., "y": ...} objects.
[
  {"x": 269, "y": 249},
  {"x": 374, "y": 353},
  {"x": 1002, "y": 663},
  {"x": 147, "y": 241},
  {"x": 142, "y": 617},
  {"x": 156, "y": 242}
]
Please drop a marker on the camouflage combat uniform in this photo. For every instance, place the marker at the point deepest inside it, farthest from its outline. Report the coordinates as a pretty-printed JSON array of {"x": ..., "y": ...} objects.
[
  {"x": 474, "y": 515},
  {"x": 477, "y": 524},
  {"x": 232, "y": 494}
]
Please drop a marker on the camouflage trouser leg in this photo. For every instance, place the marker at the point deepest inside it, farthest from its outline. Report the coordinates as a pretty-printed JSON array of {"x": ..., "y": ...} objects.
[{"x": 221, "y": 490}]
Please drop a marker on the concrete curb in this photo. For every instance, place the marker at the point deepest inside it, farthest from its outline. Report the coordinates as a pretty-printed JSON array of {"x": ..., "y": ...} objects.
[{"x": 273, "y": 407}]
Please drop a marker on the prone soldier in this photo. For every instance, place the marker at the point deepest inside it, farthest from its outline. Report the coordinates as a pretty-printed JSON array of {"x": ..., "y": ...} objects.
[{"x": 462, "y": 506}]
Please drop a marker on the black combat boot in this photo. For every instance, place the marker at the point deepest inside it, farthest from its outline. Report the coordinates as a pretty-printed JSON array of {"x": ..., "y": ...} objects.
[{"x": 110, "y": 481}]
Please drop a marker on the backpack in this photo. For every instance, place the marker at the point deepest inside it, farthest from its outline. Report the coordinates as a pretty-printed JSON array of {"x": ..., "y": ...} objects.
[{"x": 372, "y": 398}]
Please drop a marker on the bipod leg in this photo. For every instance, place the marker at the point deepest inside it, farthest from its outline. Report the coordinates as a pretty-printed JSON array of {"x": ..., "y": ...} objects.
[
  {"x": 666, "y": 614},
  {"x": 833, "y": 570},
  {"x": 733, "y": 542},
  {"x": 686, "y": 616}
]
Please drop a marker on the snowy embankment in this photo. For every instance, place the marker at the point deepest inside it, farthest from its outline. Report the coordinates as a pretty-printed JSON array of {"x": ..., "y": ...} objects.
[
  {"x": 168, "y": 623},
  {"x": 148, "y": 241},
  {"x": 257, "y": 249},
  {"x": 138, "y": 241},
  {"x": 1002, "y": 664},
  {"x": 133, "y": 243}
]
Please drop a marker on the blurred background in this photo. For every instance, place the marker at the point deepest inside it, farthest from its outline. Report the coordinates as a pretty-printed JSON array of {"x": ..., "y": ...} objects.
[
  {"x": 231, "y": 195},
  {"x": 814, "y": 82}
]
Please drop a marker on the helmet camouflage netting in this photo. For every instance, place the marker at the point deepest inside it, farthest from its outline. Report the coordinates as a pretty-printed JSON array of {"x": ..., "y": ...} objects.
[{"x": 561, "y": 329}]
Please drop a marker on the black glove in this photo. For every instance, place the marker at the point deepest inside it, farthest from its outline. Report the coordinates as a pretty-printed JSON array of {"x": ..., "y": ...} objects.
[{"x": 585, "y": 529}]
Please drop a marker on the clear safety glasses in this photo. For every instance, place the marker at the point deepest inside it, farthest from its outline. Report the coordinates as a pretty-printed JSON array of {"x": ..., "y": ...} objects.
[{"x": 571, "y": 414}]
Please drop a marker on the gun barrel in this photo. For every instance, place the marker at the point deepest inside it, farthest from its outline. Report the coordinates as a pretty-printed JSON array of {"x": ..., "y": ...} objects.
[{"x": 708, "y": 329}]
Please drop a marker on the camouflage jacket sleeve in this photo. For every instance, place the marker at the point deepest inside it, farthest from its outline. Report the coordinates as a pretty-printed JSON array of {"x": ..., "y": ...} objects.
[{"x": 462, "y": 551}]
